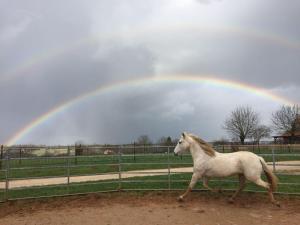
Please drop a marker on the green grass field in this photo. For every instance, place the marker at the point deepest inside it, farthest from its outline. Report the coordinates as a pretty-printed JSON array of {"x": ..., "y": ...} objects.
[
  {"x": 45, "y": 167},
  {"x": 178, "y": 181},
  {"x": 58, "y": 166}
]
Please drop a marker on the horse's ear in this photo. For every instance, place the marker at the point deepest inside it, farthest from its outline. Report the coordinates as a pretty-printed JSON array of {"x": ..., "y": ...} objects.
[{"x": 183, "y": 134}]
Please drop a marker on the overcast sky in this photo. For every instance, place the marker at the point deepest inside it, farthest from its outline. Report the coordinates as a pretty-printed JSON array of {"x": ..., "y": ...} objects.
[{"x": 54, "y": 51}]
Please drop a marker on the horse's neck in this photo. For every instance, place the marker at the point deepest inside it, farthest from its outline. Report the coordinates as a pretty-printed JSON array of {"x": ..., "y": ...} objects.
[{"x": 198, "y": 154}]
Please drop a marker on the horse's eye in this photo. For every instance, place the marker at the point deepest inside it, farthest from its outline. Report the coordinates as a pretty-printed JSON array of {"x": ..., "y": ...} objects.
[{"x": 179, "y": 142}]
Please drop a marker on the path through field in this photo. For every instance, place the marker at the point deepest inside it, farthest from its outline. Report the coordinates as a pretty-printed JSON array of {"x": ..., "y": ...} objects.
[
  {"x": 291, "y": 166},
  {"x": 157, "y": 208}
]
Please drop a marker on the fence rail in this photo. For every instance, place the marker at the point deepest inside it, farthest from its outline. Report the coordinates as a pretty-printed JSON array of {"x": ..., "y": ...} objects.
[{"x": 51, "y": 171}]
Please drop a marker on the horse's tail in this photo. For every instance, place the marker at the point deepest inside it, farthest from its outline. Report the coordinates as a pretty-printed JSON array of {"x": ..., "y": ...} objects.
[{"x": 272, "y": 179}]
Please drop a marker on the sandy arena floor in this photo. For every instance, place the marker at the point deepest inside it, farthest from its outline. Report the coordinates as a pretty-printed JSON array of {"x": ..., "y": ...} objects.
[{"x": 157, "y": 208}]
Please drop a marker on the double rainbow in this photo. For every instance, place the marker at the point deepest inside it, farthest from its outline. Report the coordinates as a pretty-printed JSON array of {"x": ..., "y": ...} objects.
[
  {"x": 42, "y": 57},
  {"x": 19, "y": 135}
]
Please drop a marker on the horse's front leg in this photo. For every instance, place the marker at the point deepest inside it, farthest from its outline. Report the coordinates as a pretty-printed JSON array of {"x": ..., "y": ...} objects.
[{"x": 193, "y": 182}]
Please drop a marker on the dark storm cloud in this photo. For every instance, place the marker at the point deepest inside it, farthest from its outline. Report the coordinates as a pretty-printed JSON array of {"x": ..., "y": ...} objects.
[
  {"x": 126, "y": 45},
  {"x": 69, "y": 76},
  {"x": 258, "y": 62},
  {"x": 60, "y": 77},
  {"x": 163, "y": 110},
  {"x": 277, "y": 17},
  {"x": 46, "y": 27},
  {"x": 259, "y": 46},
  {"x": 121, "y": 115}
]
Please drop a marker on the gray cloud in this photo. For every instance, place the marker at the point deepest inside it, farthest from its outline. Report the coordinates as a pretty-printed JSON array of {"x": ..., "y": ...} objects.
[
  {"x": 257, "y": 62},
  {"x": 136, "y": 39},
  {"x": 207, "y": 1},
  {"x": 120, "y": 116}
]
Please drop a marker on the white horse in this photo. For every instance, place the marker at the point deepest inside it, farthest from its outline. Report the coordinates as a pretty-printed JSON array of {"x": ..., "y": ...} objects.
[{"x": 209, "y": 163}]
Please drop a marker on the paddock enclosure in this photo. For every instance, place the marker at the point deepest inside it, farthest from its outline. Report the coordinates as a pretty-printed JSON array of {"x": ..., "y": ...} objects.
[
  {"x": 136, "y": 185},
  {"x": 41, "y": 171}
]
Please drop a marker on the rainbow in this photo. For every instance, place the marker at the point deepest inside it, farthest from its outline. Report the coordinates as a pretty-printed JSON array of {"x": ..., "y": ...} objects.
[
  {"x": 137, "y": 82},
  {"x": 42, "y": 57}
]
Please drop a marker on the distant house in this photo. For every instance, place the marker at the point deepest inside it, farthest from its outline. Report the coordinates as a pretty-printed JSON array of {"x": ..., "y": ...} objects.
[
  {"x": 288, "y": 137},
  {"x": 108, "y": 152}
]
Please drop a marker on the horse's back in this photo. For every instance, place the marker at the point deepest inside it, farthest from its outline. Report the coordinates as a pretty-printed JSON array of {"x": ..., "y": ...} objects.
[
  {"x": 227, "y": 164},
  {"x": 249, "y": 163}
]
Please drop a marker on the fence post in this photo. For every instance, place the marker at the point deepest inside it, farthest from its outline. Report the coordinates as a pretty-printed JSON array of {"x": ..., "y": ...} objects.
[
  {"x": 68, "y": 170},
  {"x": 169, "y": 170},
  {"x": 273, "y": 159},
  {"x": 7, "y": 175},
  {"x": 1, "y": 156},
  {"x": 120, "y": 169},
  {"x": 134, "y": 151},
  {"x": 20, "y": 155}
]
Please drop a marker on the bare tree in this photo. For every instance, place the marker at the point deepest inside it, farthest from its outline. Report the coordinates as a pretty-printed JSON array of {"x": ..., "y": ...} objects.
[
  {"x": 285, "y": 119},
  {"x": 241, "y": 123},
  {"x": 261, "y": 131},
  {"x": 143, "y": 140},
  {"x": 165, "y": 141},
  {"x": 221, "y": 141},
  {"x": 78, "y": 149}
]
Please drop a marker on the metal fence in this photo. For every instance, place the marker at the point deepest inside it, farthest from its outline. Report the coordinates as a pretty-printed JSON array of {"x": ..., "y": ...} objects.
[{"x": 33, "y": 172}]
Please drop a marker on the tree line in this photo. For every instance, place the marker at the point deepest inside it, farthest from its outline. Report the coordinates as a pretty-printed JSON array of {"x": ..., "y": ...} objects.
[
  {"x": 165, "y": 141},
  {"x": 244, "y": 123}
]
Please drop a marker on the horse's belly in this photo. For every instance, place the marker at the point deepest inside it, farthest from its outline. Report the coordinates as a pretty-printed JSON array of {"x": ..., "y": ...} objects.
[
  {"x": 223, "y": 170},
  {"x": 222, "y": 173}
]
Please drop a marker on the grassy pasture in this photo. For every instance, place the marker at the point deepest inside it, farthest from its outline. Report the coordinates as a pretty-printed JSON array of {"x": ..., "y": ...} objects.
[
  {"x": 178, "y": 181},
  {"x": 82, "y": 165}
]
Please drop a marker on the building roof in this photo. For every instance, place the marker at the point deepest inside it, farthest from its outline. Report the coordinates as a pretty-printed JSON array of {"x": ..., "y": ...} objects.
[
  {"x": 297, "y": 134},
  {"x": 288, "y": 134}
]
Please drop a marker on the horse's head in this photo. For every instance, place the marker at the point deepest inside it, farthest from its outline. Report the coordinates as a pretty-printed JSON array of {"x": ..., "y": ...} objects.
[{"x": 183, "y": 144}]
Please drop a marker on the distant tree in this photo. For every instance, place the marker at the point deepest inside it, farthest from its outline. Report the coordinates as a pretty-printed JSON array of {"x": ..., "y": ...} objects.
[
  {"x": 286, "y": 119},
  {"x": 78, "y": 149},
  {"x": 175, "y": 141},
  {"x": 241, "y": 123},
  {"x": 219, "y": 144},
  {"x": 222, "y": 141},
  {"x": 1, "y": 156},
  {"x": 165, "y": 141},
  {"x": 143, "y": 140},
  {"x": 261, "y": 131}
]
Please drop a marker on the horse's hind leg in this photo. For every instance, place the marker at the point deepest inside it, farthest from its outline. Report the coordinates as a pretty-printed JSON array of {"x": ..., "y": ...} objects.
[
  {"x": 205, "y": 184},
  {"x": 264, "y": 184},
  {"x": 242, "y": 184}
]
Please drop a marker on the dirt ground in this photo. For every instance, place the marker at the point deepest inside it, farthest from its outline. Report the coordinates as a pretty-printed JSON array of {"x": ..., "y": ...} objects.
[{"x": 157, "y": 208}]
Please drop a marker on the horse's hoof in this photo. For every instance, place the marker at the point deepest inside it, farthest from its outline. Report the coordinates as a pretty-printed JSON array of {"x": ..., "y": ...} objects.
[
  {"x": 231, "y": 201},
  {"x": 219, "y": 190},
  {"x": 180, "y": 199},
  {"x": 277, "y": 204}
]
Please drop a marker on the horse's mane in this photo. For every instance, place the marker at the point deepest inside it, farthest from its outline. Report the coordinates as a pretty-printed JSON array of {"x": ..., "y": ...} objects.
[{"x": 204, "y": 145}]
